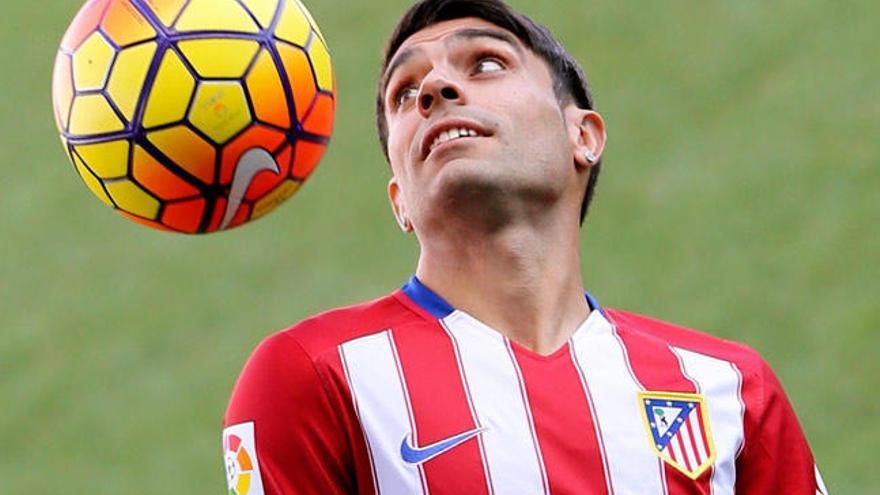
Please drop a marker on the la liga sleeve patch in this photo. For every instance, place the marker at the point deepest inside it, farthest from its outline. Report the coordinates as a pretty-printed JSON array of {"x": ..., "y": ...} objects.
[
  {"x": 820, "y": 483},
  {"x": 240, "y": 457}
]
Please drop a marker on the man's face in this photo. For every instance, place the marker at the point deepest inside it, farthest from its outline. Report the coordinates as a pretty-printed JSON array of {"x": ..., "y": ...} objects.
[{"x": 474, "y": 126}]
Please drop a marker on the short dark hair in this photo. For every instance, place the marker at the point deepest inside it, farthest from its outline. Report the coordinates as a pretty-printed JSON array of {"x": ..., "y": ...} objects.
[{"x": 569, "y": 82}]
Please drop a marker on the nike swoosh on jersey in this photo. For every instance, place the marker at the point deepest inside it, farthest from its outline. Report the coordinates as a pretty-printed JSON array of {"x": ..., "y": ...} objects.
[
  {"x": 415, "y": 455},
  {"x": 252, "y": 162}
]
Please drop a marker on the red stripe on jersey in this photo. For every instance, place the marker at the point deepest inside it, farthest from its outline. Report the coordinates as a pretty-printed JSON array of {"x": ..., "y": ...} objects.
[
  {"x": 528, "y": 408},
  {"x": 563, "y": 424},
  {"x": 657, "y": 368},
  {"x": 412, "y": 421},
  {"x": 440, "y": 408}
]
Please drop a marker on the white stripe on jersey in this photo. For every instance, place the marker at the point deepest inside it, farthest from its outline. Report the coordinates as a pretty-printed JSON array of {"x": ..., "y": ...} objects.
[
  {"x": 719, "y": 381},
  {"x": 377, "y": 389},
  {"x": 510, "y": 448},
  {"x": 599, "y": 439},
  {"x": 632, "y": 466}
]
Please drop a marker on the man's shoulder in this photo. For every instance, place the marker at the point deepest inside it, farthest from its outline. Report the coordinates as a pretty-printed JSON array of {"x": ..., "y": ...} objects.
[
  {"x": 326, "y": 330},
  {"x": 639, "y": 328}
]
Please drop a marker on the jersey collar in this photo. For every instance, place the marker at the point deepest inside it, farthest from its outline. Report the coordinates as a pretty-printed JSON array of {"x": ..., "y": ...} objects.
[{"x": 431, "y": 302}]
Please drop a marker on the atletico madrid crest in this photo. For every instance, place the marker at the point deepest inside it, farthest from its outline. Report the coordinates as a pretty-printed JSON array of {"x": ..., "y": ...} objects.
[{"x": 678, "y": 430}]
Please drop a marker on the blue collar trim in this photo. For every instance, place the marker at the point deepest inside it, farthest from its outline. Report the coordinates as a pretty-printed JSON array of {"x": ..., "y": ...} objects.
[
  {"x": 426, "y": 298},
  {"x": 439, "y": 308},
  {"x": 594, "y": 304}
]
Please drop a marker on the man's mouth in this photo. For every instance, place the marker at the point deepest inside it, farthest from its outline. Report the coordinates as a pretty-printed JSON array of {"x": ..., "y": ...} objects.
[
  {"x": 452, "y": 134},
  {"x": 450, "y": 130}
]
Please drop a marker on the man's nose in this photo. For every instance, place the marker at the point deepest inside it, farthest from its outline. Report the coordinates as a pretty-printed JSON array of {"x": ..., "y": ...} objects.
[{"x": 437, "y": 90}]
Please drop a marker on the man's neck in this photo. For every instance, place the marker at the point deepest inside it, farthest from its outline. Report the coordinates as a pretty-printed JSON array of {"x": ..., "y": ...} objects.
[{"x": 524, "y": 283}]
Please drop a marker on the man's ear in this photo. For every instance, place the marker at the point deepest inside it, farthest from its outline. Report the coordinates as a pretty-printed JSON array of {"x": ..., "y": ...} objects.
[
  {"x": 395, "y": 196},
  {"x": 587, "y": 135}
]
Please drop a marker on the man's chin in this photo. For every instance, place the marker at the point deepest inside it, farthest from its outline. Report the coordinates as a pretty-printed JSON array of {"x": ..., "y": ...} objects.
[
  {"x": 469, "y": 190},
  {"x": 467, "y": 172}
]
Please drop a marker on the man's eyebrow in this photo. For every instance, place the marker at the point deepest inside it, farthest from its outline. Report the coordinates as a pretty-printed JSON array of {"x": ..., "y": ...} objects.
[
  {"x": 471, "y": 33},
  {"x": 400, "y": 59},
  {"x": 463, "y": 34}
]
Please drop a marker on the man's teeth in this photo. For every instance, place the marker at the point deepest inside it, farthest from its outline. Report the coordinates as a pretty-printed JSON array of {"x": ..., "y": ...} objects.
[{"x": 451, "y": 134}]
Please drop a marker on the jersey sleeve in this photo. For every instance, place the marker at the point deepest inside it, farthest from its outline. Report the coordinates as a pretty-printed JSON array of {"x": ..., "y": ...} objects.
[
  {"x": 281, "y": 433},
  {"x": 775, "y": 457}
]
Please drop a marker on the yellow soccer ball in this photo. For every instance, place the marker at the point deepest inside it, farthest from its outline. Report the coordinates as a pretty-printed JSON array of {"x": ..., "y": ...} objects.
[{"x": 194, "y": 115}]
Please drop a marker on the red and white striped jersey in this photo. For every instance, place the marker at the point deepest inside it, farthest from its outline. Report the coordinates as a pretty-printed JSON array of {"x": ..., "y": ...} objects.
[{"x": 406, "y": 395}]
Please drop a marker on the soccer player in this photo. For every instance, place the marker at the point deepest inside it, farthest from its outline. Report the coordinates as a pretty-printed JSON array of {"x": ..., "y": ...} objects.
[{"x": 492, "y": 371}]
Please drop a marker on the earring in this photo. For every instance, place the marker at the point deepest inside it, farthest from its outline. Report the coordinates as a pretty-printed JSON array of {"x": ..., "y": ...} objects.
[{"x": 590, "y": 156}]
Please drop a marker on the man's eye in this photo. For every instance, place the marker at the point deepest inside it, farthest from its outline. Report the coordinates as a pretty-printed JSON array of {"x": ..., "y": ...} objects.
[
  {"x": 404, "y": 95},
  {"x": 489, "y": 65}
]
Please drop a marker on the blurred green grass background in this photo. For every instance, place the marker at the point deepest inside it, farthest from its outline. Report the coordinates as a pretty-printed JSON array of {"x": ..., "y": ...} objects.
[{"x": 739, "y": 196}]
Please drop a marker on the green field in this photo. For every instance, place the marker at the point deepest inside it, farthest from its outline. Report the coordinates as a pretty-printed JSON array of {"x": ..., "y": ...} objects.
[{"x": 740, "y": 195}]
